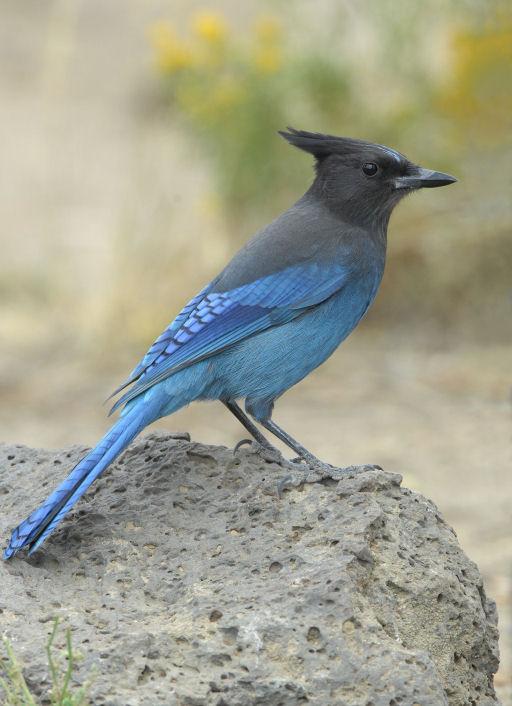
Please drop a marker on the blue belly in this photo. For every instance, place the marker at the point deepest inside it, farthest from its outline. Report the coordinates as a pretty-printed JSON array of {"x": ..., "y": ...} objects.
[{"x": 269, "y": 363}]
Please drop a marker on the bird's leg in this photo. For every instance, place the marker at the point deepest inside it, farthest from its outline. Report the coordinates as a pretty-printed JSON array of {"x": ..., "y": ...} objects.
[
  {"x": 304, "y": 454},
  {"x": 250, "y": 426},
  {"x": 269, "y": 451},
  {"x": 318, "y": 469}
]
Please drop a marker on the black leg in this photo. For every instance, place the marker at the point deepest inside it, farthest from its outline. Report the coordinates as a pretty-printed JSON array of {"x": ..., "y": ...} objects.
[
  {"x": 320, "y": 468},
  {"x": 294, "y": 445},
  {"x": 250, "y": 426}
]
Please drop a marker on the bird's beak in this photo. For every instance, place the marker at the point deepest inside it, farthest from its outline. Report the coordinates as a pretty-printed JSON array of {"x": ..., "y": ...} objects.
[{"x": 421, "y": 178}]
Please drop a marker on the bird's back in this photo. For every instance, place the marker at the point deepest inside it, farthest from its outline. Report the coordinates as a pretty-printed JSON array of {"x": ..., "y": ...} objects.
[{"x": 308, "y": 232}]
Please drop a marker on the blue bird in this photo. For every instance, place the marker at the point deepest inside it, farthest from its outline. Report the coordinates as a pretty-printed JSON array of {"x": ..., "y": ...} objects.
[{"x": 278, "y": 310}]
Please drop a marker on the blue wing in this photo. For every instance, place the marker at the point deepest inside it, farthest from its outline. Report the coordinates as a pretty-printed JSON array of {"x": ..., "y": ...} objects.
[
  {"x": 163, "y": 340},
  {"x": 214, "y": 320}
]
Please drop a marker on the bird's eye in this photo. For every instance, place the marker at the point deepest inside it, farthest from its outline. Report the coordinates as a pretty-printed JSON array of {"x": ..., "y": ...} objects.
[{"x": 370, "y": 168}]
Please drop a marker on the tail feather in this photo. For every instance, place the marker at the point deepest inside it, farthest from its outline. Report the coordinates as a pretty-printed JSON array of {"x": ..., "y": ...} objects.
[{"x": 47, "y": 516}]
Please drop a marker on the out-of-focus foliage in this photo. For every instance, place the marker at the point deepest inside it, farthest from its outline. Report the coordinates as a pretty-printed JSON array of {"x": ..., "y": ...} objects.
[
  {"x": 237, "y": 91},
  {"x": 477, "y": 97}
]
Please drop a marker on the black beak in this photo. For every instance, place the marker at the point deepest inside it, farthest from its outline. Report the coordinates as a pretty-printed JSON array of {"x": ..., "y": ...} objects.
[{"x": 422, "y": 178}]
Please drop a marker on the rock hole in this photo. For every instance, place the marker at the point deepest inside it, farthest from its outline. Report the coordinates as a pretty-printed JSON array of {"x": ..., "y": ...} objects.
[
  {"x": 275, "y": 567},
  {"x": 314, "y": 635}
]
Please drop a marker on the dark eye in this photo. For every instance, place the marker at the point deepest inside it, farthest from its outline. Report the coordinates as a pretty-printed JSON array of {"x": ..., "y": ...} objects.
[{"x": 370, "y": 168}]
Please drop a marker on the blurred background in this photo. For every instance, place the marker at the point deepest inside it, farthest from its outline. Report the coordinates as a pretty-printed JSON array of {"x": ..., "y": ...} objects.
[{"x": 139, "y": 152}]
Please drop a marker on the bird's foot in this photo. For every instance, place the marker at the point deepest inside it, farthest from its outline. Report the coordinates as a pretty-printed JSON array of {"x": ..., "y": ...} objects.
[
  {"x": 270, "y": 454},
  {"x": 318, "y": 471},
  {"x": 241, "y": 443}
]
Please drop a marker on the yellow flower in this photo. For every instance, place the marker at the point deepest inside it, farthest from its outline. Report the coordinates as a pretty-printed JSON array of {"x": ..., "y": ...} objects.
[
  {"x": 171, "y": 54},
  {"x": 209, "y": 26},
  {"x": 267, "y": 28},
  {"x": 267, "y": 60}
]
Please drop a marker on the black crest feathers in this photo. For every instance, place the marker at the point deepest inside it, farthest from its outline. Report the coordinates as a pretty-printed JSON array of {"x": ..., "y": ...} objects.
[{"x": 315, "y": 143}]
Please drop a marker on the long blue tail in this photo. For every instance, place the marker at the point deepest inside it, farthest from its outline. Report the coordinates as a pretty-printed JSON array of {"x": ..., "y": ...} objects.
[{"x": 42, "y": 521}]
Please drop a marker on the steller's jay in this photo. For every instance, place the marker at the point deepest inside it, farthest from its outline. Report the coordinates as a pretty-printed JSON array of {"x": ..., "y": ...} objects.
[{"x": 282, "y": 305}]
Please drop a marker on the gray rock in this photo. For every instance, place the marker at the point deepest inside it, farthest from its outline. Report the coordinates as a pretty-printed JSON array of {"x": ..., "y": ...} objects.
[{"x": 186, "y": 581}]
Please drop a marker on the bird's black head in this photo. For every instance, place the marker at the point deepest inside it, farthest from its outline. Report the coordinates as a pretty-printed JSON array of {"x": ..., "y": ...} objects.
[{"x": 361, "y": 180}]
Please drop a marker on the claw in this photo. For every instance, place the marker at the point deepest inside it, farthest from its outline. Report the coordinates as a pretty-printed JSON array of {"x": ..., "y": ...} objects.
[
  {"x": 281, "y": 484},
  {"x": 241, "y": 443},
  {"x": 268, "y": 453}
]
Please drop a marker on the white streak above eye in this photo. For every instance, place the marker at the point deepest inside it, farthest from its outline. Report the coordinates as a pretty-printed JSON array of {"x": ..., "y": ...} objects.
[{"x": 391, "y": 153}]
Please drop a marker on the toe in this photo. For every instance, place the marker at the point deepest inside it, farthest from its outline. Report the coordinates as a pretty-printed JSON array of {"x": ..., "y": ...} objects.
[{"x": 241, "y": 443}]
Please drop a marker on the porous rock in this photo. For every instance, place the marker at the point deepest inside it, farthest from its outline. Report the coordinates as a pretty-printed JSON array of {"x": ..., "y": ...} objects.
[{"x": 186, "y": 580}]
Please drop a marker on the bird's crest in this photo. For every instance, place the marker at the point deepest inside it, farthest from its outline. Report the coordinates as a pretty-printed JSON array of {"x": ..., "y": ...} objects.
[
  {"x": 315, "y": 143},
  {"x": 321, "y": 146}
]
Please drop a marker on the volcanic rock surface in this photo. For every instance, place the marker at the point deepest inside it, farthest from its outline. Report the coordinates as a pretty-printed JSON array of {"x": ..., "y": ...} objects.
[{"x": 186, "y": 580}]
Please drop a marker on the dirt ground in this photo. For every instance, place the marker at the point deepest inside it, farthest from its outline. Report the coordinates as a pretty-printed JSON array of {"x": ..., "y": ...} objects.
[{"x": 444, "y": 413}]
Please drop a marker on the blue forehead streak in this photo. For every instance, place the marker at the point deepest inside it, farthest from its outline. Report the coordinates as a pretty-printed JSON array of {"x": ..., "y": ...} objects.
[{"x": 391, "y": 153}]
